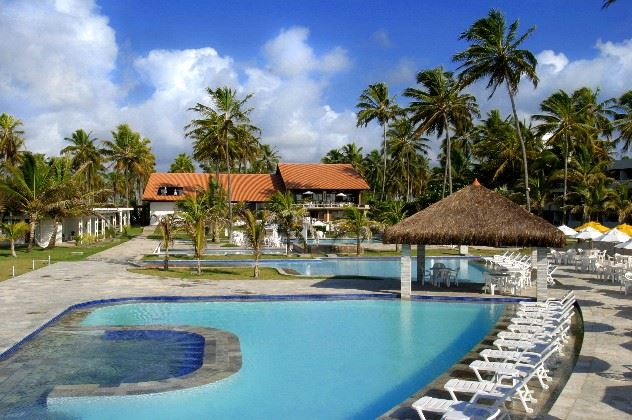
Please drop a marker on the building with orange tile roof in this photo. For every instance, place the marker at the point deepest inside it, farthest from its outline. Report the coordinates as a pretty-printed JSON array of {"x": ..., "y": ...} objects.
[{"x": 323, "y": 189}]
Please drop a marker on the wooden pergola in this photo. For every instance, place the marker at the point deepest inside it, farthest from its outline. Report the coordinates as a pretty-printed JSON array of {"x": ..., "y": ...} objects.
[{"x": 473, "y": 215}]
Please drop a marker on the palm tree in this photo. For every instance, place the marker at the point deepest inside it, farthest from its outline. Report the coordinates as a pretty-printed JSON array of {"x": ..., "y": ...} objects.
[
  {"x": 494, "y": 54},
  {"x": 353, "y": 155},
  {"x": 392, "y": 213},
  {"x": 168, "y": 225},
  {"x": 13, "y": 232},
  {"x": 623, "y": 120},
  {"x": 287, "y": 214},
  {"x": 267, "y": 160},
  {"x": 193, "y": 211},
  {"x": 373, "y": 169},
  {"x": 84, "y": 151},
  {"x": 31, "y": 190},
  {"x": 334, "y": 156},
  {"x": 222, "y": 129},
  {"x": 375, "y": 104},
  {"x": 218, "y": 210},
  {"x": 11, "y": 139},
  {"x": 620, "y": 203},
  {"x": 254, "y": 232},
  {"x": 182, "y": 164},
  {"x": 439, "y": 105},
  {"x": 130, "y": 154},
  {"x": 562, "y": 121},
  {"x": 358, "y": 224},
  {"x": 406, "y": 148}
]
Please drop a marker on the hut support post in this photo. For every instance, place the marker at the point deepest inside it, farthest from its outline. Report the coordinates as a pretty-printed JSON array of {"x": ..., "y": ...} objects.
[
  {"x": 542, "y": 267},
  {"x": 421, "y": 263},
  {"x": 405, "y": 274}
]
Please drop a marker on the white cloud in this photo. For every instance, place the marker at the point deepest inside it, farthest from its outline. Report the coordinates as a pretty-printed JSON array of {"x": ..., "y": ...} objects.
[
  {"x": 404, "y": 72},
  {"x": 382, "y": 38}
]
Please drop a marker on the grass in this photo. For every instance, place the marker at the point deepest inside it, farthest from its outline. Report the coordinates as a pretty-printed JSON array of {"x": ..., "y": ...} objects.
[
  {"x": 23, "y": 263},
  {"x": 215, "y": 273}
]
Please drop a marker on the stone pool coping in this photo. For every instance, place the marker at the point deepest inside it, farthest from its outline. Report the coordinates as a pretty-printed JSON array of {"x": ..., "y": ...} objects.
[{"x": 222, "y": 358}]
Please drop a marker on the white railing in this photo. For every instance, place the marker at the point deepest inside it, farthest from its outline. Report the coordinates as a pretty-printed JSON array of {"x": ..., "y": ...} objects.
[{"x": 313, "y": 205}]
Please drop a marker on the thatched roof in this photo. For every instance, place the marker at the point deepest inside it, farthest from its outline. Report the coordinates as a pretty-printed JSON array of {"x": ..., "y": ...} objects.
[{"x": 475, "y": 216}]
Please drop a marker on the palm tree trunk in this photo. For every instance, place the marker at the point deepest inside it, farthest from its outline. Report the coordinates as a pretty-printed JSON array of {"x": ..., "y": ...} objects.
[
  {"x": 230, "y": 203},
  {"x": 448, "y": 152},
  {"x": 564, "y": 221},
  {"x": 53, "y": 237},
  {"x": 32, "y": 222},
  {"x": 166, "y": 262},
  {"x": 256, "y": 271},
  {"x": 445, "y": 175},
  {"x": 524, "y": 149},
  {"x": 358, "y": 244},
  {"x": 384, "y": 174},
  {"x": 12, "y": 241},
  {"x": 126, "y": 187}
]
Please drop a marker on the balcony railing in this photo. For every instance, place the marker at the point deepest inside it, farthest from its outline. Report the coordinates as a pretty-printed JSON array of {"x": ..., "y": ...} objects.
[{"x": 331, "y": 205}]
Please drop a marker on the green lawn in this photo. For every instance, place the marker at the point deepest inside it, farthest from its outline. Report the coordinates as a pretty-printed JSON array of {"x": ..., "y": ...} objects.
[{"x": 23, "y": 263}]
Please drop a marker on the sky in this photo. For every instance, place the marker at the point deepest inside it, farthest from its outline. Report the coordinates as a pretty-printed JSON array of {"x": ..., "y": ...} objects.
[{"x": 70, "y": 64}]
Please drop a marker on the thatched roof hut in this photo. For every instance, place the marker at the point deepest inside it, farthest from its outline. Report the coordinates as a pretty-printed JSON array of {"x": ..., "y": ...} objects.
[{"x": 475, "y": 215}]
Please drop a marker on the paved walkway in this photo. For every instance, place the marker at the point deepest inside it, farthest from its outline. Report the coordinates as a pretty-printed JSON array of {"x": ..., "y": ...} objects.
[
  {"x": 601, "y": 384},
  {"x": 600, "y": 387}
]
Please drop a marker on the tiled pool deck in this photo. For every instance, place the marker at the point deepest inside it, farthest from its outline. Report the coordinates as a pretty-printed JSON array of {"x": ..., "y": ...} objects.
[{"x": 600, "y": 386}]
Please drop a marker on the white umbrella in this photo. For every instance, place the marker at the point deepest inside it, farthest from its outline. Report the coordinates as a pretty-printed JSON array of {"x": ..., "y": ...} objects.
[
  {"x": 308, "y": 193},
  {"x": 341, "y": 195},
  {"x": 613, "y": 235},
  {"x": 588, "y": 233},
  {"x": 625, "y": 245},
  {"x": 319, "y": 223},
  {"x": 567, "y": 231}
]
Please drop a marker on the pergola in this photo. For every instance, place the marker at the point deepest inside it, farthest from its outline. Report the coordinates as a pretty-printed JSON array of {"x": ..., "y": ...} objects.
[{"x": 473, "y": 215}]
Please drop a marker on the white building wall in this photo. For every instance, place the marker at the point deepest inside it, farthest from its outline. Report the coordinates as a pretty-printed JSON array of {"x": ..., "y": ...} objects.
[{"x": 157, "y": 209}]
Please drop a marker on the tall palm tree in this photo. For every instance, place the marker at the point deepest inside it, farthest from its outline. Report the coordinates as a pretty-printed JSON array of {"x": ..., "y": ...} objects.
[
  {"x": 376, "y": 104},
  {"x": 563, "y": 122},
  {"x": 406, "y": 147},
  {"x": 494, "y": 54},
  {"x": 129, "y": 154},
  {"x": 438, "y": 105},
  {"x": 254, "y": 232},
  {"x": 286, "y": 214},
  {"x": 353, "y": 155},
  {"x": 373, "y": 170},
  {"x": 182, "y": 164},
  {"x": 84, "y": 151},
  {"x": 222, "y": 128},
  {"x": 193, "y": 211},
  {"x": 11, "y": 139},
  {"x": 334, "y": 156},
  {"x": 267, "y": 159},
  {"x": 623, "y": 120},
  {"x": 391, "y": 213}
]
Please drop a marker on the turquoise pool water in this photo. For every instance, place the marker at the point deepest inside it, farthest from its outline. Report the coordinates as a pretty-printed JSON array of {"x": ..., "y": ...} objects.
[
  {"x": 470, "y": 269},
  {"x": 301, "y": 360}
]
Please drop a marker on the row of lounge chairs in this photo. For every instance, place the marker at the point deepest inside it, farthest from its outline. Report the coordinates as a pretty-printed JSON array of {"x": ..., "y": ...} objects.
[{"x": 523, "y": 353}]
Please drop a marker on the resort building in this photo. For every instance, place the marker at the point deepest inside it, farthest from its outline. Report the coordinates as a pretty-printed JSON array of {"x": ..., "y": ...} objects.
[{"x": 323, "y": 189}]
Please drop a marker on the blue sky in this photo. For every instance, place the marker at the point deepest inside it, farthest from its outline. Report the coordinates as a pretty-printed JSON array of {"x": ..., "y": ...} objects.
[{"x": 73, "y": 64}]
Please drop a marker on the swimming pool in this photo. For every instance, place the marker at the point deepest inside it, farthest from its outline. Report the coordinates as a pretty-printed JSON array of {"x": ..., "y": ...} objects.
[
  {"x": 470, "y": 269},
  {"x": 306, "y": 359}
]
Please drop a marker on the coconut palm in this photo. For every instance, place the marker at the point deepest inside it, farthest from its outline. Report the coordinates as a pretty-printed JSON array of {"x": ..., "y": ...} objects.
[
  {"x": 31, "y": 190},
  {"x": 623, "y": 120},
  {"x": 254, "y": 233},
  {"x": 218, "y": 210},
  {"x": 620, "y": 203},
  {"x": 334, "y": 156},
  {"x": 267, "y": 159},
  {"x": 286, "y": 214},
  {"x": 391, "y": 213},
  {"x": 221, "y": 130},
  {"x": 564, "y": 122},
  {"x": 358, "y": 224},
  {"x": 376, "y": 104},
  {"x": 494, "y": 54},
  {"x": 373, "y": 169},
  {"x": 11, "y": 139},
  {"x": 193, "y": 211},
  {"x": 182, "y": 164},
  {"x": 438, "y": 105},
  {"x": 168, "y": 225},
  {"x": 14, "y": 231},
  {"x": 84, "y": 152},
  {"x": 406, "y": 147}
]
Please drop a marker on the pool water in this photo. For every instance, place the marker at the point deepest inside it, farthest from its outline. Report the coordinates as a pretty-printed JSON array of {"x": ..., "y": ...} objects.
[{"x": 301, "y": 359}]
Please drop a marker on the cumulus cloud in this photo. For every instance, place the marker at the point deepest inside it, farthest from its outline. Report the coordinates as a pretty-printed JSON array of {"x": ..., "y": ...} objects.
[{"x": 404, "y": 72}]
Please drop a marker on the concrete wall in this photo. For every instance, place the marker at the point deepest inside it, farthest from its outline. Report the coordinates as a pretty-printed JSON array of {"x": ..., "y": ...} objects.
[{"x": 157, "y": 209}]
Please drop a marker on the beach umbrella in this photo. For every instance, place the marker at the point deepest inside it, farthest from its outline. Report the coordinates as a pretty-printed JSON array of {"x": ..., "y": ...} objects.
[
  {"x": 595, "y": 225},
  {"x": 308, "y": 193},
  {"x": 318, "y": 223},
  {"x": 624, "y": 245},
  {"x": 341, "y": 195},
  {"x": 588, "y": 233},
  {"x": 567, "y": 231},
  {"x": 613, "y": 235},
  {"x": 625, "y": 228}
]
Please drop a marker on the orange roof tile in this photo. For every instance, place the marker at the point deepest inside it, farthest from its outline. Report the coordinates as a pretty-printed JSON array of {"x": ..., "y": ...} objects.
[
  {"x": 245, "y": 187},
  {"x": 321, "y": 176}
]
